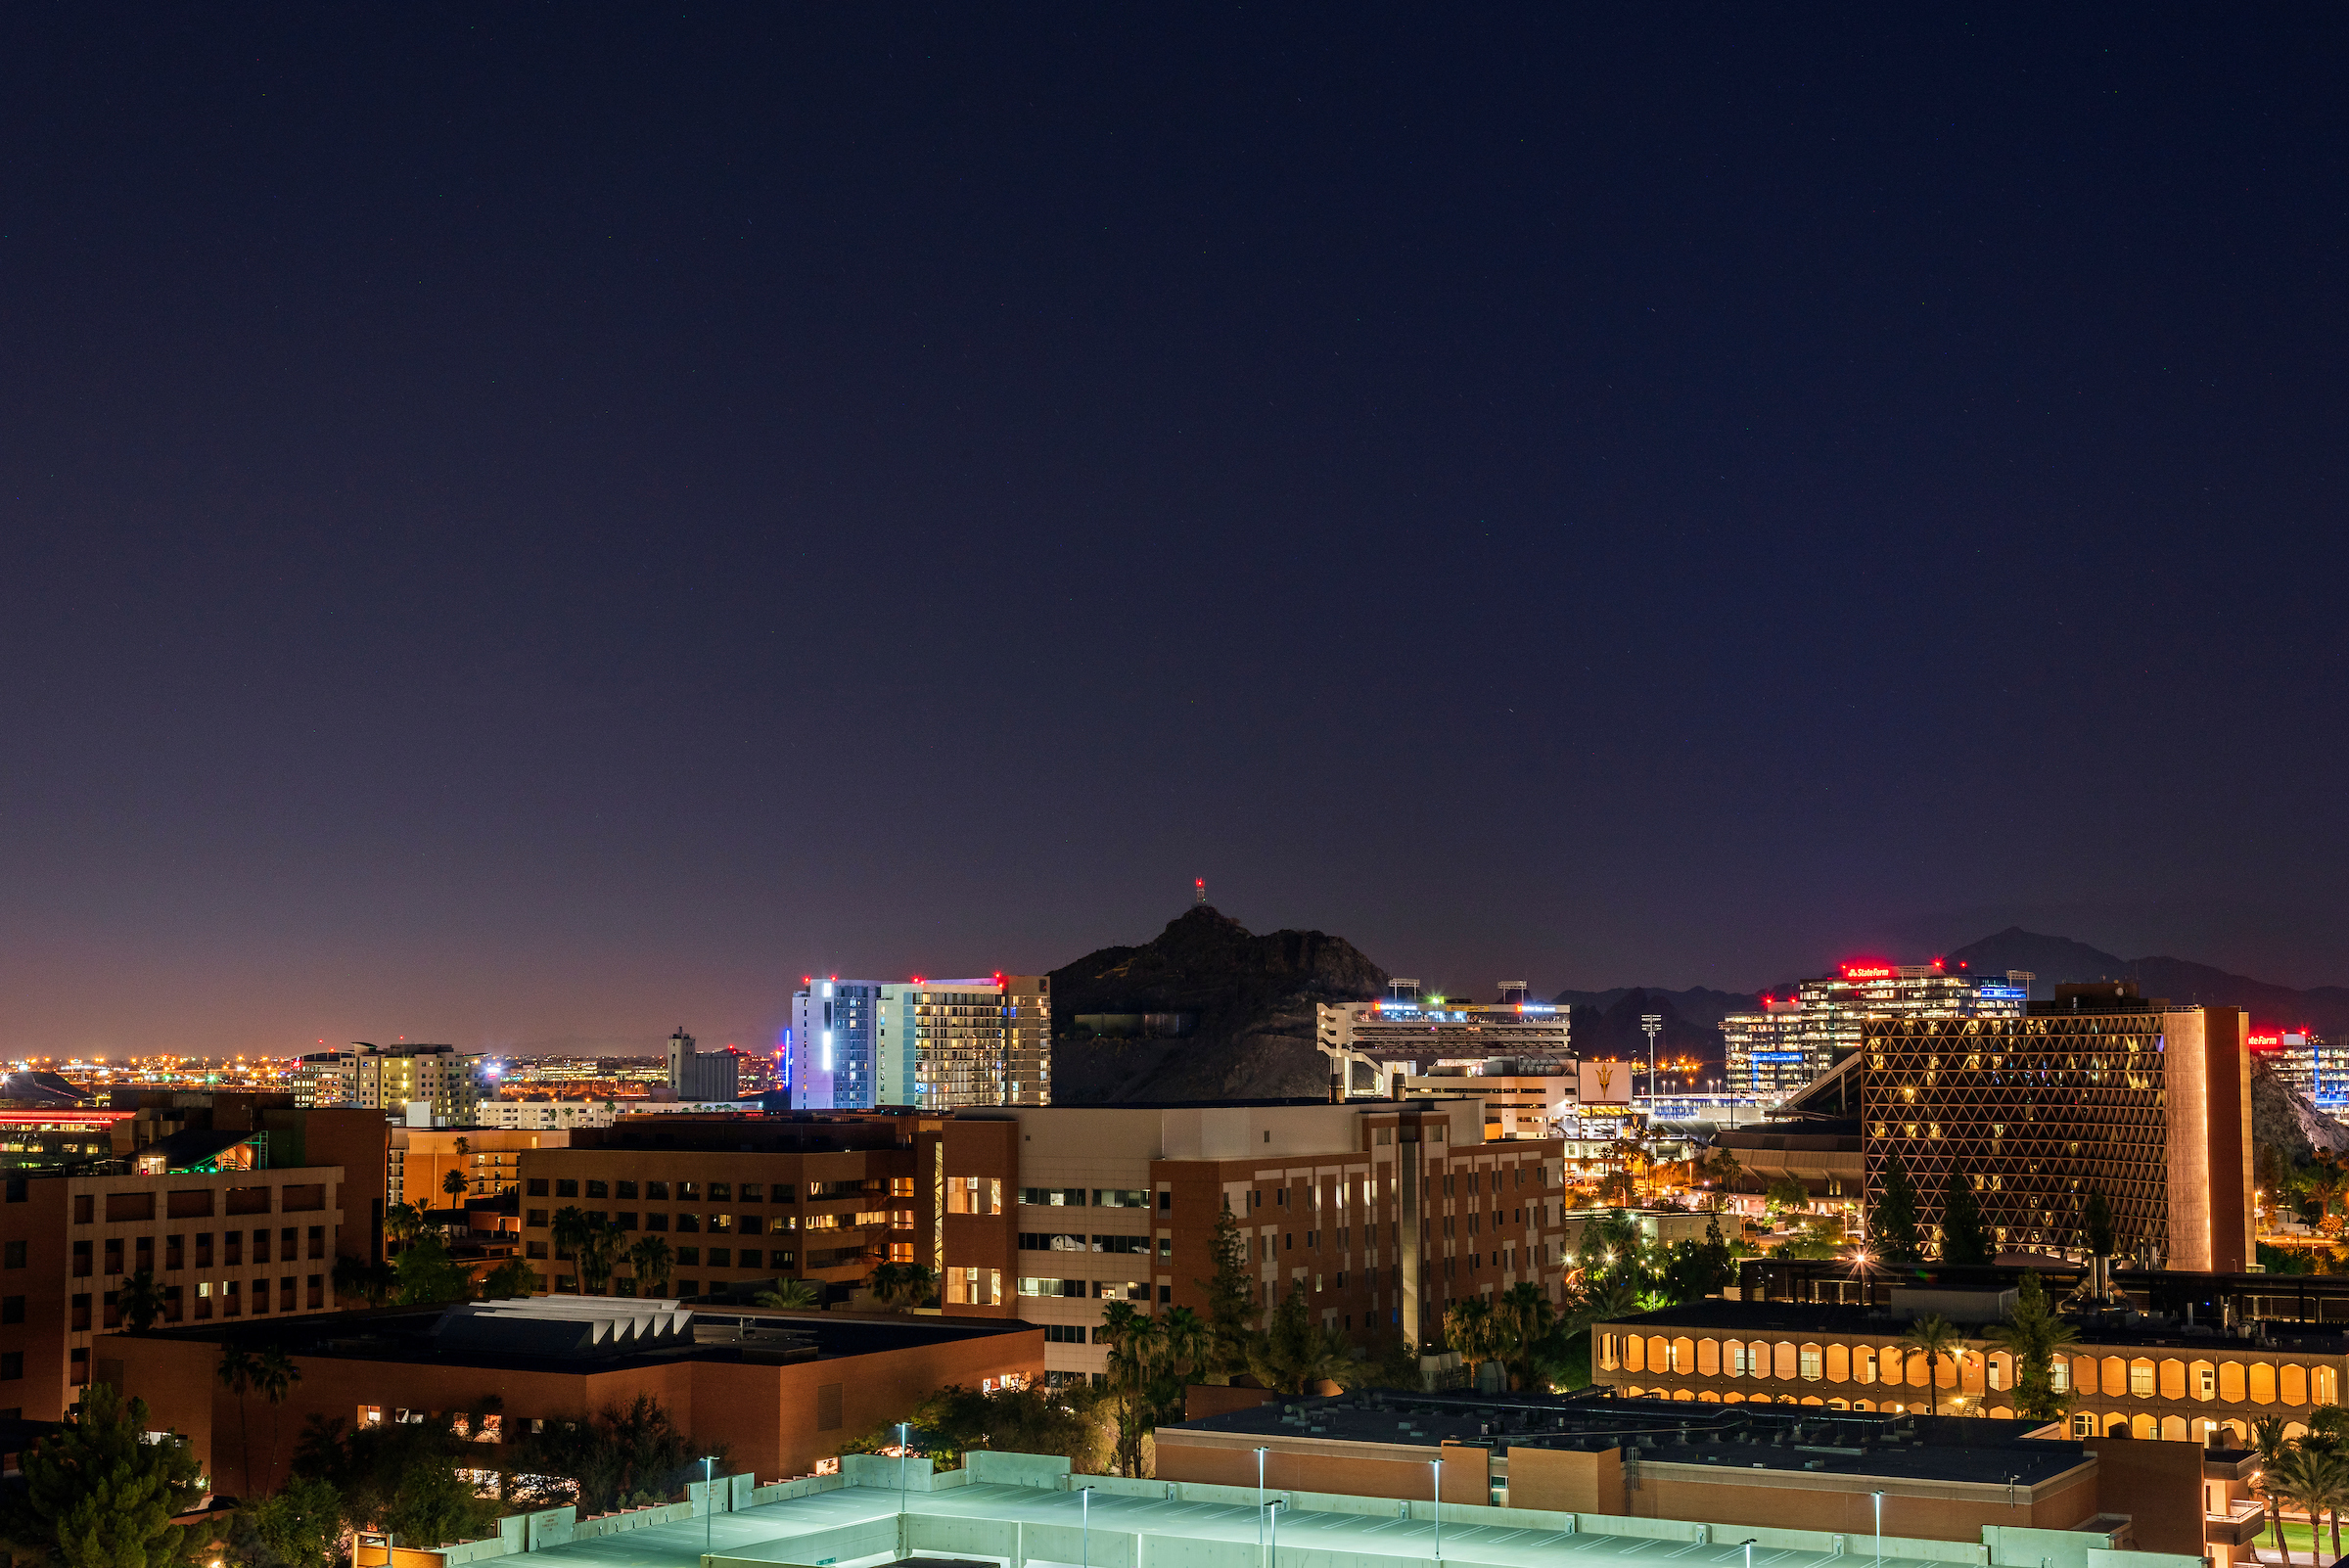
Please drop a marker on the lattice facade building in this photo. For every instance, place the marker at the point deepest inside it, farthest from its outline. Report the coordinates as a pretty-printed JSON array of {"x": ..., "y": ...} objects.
[{"x": 2100, "y": 1091}]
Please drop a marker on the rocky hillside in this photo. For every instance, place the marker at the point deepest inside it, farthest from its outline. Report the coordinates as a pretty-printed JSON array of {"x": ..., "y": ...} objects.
[
  {"x": 2282, "y": 1117},
  {"x": 1249, "y": 1004}
]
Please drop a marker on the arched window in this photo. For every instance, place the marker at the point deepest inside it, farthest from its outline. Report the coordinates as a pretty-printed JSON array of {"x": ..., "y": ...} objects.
[
  {"x": 1864, "y": 1364},
  {"x": 1781, "y": 1361},
  {"x": 1999, "y": 1412},
  {"x": 2237, "y": 1435},
  {"x": 1733, "y": 1399},
  {"x": 2295, "y": 1429},
  {"x": 2002, "y": 1370},
  {"x": 1608, "y": 1361},
  {"x": 1812, "y": 1399},
  {"x": 1683, "y": 1354},
  {"x": 2291, "y": 1383},
  {"x": 1864, "y": 1405},
  {"x": 2173, "y": 1428},
  {"x": 1970, "y": 1367},
  {"x": 2116, "y": 1424},
  {"x": 1919, "y": 1369},
  {"x": 1658, "y": 1354},
  {"x": 2114, "y": 1376},
  {"x": 2324, "y": 1387},
  {"x": 2141, "y": 1378},
  {"x": 1635, "y": 1354},
  {"x": 2231, "y": 1382},
  {"x": 2142, "y": 1426},
  {"x": 1839, "y": 1365},
  {"x": 2084, "y": 1373},
  {"x": 2173, "y": 1380},
  {"x": 2263, "y": 1382},
  {"x": 1810, "y": 1363},
  {"x": 1708, "y": 1358},
  {"x": 1683, "y": 1396},
  {"x": 1708, "y": 1397},
  {"x": 1839, "y": 1405}
]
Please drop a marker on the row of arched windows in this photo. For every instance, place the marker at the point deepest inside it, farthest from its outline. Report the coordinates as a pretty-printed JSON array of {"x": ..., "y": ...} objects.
[
  {"x": 2081, "y": 1423},
  {"x": 1976, "y": 1371}
]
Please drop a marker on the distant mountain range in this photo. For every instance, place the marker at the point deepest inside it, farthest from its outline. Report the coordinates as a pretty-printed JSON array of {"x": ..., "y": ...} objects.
[{"x": 2060, "y": 960}]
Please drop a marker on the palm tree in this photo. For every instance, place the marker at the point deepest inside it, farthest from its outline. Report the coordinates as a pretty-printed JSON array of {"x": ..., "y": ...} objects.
[
  {"x": 1524, "y": 1316},
  {"x": 649, "y": 1261},
  {"x": 1470, "y": 1329},
  {"x": 2329, "y": 1488},
  {"x": 898, "y": 1287},
  {"x": 235, "y": 1373},
  {"x": 275, "y": 1375},
  {"x": 598, "y": 1248},
  {"x": 2312, "y": 1481},
  {"x": 1189, "y": 1339},
  {"x": 2272, "y": 1447},
  {"x": 141, "y": 1299},
  {"x": 453, "y": 1183},
  {"x": 790, "y": 1295},
  {"x": 403, "y": 1222},
  {"x": 570, "y": 1234},
  {"x": 1934, "y": 1337}
]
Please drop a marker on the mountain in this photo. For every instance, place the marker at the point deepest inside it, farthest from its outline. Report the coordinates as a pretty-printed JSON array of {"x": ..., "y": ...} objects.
[
  {"x": 1247, "y": 1003},
  {"x": 2057, "y": 960},
  {"x": 1698, "y": 1004}
]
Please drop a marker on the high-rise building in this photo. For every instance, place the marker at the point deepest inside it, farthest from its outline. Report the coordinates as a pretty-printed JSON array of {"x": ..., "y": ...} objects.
[
  {"x": 2098, "y": 1091},
  {"x": 833, "y": 1047},
  {"x": 943, "y": 1045},
  {"x": 1415, "y": 1035},
  {"x": 391, "y": 1077},
  {"x": 697, "y": 1074},
  {"x": 1794, "y": 1039}
]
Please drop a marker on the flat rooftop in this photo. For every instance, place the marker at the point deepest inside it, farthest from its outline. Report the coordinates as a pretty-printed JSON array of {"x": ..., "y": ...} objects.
[
  {"x": 2109, "y": 1328},
  {"x": 772, "y": 1532},
  {"x": 406, "y": 1335},
  {"x": 1734, "y": 1437}
]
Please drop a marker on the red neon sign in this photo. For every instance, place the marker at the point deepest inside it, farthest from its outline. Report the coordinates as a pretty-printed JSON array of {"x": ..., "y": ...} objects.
[{"x": 1867, "y": 971}]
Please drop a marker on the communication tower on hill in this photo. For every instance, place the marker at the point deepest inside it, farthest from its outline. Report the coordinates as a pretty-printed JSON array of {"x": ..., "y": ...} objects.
[{"x": 1198, "y": 889}]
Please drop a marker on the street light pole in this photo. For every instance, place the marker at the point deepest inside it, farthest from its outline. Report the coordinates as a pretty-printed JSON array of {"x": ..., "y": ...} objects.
[
  {"x": 1650, "y": 1024},
  {"x": 1260, "y": 1502},
  {"x": 709, "y": 1501},
  {"x": 1273, "y": 1512},
  {"x": 1084, "y": 1527},
  {"x": 1439, "y": 1469},
  {"x": 904, "y": 1438},
  {"x": 1879, "y": 1496},
  {"x": 1748, "y": 1545}
]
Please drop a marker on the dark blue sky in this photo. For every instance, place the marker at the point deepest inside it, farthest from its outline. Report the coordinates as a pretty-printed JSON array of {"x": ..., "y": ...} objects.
[{"x": 536, "y": 523}]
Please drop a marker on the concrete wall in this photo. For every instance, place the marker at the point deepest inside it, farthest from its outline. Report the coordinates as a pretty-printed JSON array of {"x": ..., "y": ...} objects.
[
  {"x": 1566, "y": 1480},
  {"x": 991, "y": 1469},
  {"x": 2158, "y": 1485}
]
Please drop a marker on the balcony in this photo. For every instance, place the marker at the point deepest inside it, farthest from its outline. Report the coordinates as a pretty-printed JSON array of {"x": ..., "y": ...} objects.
[{"x": 2240, "y": 1526}]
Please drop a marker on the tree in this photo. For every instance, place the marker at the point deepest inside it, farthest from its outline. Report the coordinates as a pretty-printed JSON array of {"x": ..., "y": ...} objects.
[
  {"x": 569, "y": 1233},
  {"x": 100, "y": 1495},
  {"x": 275, "y": 1375},
  {"x": 404, "y": 1223},
  {"x": 235, "y": 1373},
  {"x": 1522, "y": 1319},
  {"x": 2097, "y": 1227},
  {"x": 789, "y": 1295},
  {"x": 299, "y": 1527},
  {"x": 2032, "y": 1334},
  {"x": 1230, "y": 1301},
  {"x": 1294, "y": 1352},
  {"x": 2313, "y": 1480},
  {"x": 511, "y": 1279},
  {"x": 142, "y": 1301},
  {"x": 1468, "y": 1331},
  {"x": 1891, "y": 1224},
  {"x": 621, "y": 1457},
  {"x": 1724, "y": 1170},
  {"x": 599, "y": 1250},
  {"x": 1964, "y": 1236},
  {"x": 426, "y": 1274},
  {"x": 1785, "y": 1192},
  {"x": 403, "y": 1476},
  {"x": 2270, "y": 1445},
  {"x": 375, "y": 1281},
  {"x": 900, "y": 1287},
  {"x": 1934, "y": 1337},
  {"x": 1025, "y": 1419},
  {"x": 453, "y": 1183},
  {"x": 1695, "y": 1270},
  {"x": 650, "y": 1261}
]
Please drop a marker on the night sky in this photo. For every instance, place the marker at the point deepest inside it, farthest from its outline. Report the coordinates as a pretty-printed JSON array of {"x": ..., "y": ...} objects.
[{"x": 537, "y": 525}]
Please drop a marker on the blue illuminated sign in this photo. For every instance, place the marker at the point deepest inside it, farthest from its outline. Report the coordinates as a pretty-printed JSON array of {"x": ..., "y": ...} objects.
[
  {"x": 1775, "y": 1056},
  {"x": 2004, "y": 992}
]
